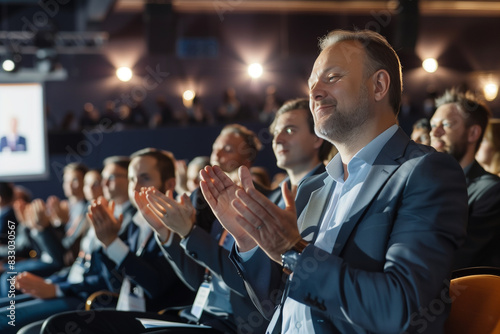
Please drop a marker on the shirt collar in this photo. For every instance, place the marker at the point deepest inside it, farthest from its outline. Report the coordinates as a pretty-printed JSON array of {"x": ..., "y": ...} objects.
[{"x": 367, "y": 154}]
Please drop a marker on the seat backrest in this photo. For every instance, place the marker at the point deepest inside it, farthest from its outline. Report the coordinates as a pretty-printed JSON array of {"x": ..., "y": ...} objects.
[{"x": 475, "y": 306}]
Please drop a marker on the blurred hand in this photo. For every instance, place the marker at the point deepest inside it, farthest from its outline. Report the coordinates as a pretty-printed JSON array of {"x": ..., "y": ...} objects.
[
  {"x": 35, "y": 286},
  {"x": 219, "y": 191},
  {"x": 101, "y": 215}
]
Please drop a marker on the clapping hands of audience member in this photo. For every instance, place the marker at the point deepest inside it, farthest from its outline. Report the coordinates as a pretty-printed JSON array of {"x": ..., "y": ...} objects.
[
  {"x": 249, "y": 215},
  {"x": 57, "y": 210},
  {"x": 106, "y": 225},
  {"x": 36, "y": 215},
  {"x": 164, "y": 213},
  {"x": 35, "y": 286}
]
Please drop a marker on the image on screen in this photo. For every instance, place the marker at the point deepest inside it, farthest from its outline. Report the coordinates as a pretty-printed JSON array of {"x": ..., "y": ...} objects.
[{"x": 23, "y": 144}]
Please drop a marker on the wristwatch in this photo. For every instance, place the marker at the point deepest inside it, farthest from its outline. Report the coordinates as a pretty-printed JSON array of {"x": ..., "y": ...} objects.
[{"x": 291, "y": 257}]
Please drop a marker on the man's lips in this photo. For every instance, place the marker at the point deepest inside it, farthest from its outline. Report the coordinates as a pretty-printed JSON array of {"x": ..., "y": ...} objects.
[{"x": 323, "y": 108}]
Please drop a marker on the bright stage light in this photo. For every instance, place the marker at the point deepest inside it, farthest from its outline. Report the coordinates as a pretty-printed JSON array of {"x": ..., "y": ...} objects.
[
  {"x": 255, "y": 70},
  {"x": 430, "y": 65},
  {"x": 124, "y": 74}
]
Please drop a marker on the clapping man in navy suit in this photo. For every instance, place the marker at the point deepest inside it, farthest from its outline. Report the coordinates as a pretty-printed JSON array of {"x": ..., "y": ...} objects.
[{"x": 387, "y": 215}]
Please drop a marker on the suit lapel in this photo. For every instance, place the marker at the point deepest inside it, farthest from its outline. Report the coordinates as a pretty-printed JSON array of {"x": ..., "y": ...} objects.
[
  {"x": 384, "y": 166},
  {"x": 313, "y": 212}
]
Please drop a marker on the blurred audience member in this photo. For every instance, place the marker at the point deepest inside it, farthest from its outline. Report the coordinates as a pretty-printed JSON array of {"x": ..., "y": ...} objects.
[
  {"x": 187, "y": 176},
  {"x": 297, "y": 148},
  {"x": 138, "y": 114},
  {"x": 261, "y": 176},
  {"x": 164, "y": 116},
  {"x": 110, "y": 116},
  {"x": 69, "y": 122},
  {"x": 92, "y": 185},
  {"x": 271, "y": 105},
  {"x": 488, "y": 154},
  {"x": 90, "y": 117},
  {"x": 421, "y": 132},
  {"x": 229, "y": 110},
  {"x": 458, "y": 126},
  {"x": 8, "y": 220}
]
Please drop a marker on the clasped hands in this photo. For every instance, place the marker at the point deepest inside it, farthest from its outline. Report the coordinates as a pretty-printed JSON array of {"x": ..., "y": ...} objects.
[
  {"x": 249, "y": 215},
  {"x": 164, "y": 213}
]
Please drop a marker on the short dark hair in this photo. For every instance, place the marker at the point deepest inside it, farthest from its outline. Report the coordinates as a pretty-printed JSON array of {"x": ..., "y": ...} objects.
[
  {"x": 302, "y": 104},
  {"x": 472, "y": 109},
  {"x": 164, "y": 159},
  {"x": 422, "y": 123},
  {"x": 6, "y": 192},
  {"x": 119, "y": 160},
  {"x": 75, "y": 166},
  {"x": 249, "y": 137},
  {"x": 380, "y": 53}
]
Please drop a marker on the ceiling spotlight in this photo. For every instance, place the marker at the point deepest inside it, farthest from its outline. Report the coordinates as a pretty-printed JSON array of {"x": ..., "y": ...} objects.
[
  {"x": 124, "y": 74},
  {"x": 8, "y": 65},
  {"x": 490, "y": 91},
  {"x": 430, "y": 65},
  {"x": 188, "y": 95},
  {"x": 255, "y": 70},
  {"x": 11, "y": 63}
]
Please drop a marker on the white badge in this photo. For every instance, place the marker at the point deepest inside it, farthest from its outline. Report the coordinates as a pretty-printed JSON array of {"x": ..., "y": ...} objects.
[
  {"x": 131, "y": 301},
  {"x": 201, "y": 300},
  {"x": 76, "y": 273}
]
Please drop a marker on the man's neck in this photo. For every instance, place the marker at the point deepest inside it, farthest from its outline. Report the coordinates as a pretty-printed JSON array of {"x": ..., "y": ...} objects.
[
  {"x": 468, "y": 158},
  {"x": 297, "y": 173}
]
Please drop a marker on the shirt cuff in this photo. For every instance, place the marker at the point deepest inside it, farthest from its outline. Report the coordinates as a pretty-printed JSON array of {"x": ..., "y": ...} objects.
[
  {"x": 117, "y": 251},
  {"x": 59, "y": 293},
  {"x": 184, "y": 241},
  {"x": 245, "y": 256}
]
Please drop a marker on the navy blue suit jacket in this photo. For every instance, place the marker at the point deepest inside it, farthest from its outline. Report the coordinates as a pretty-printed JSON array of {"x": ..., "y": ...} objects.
[
  {"x": 482, "y": 245},
  {"x": 393, "y": 254}
]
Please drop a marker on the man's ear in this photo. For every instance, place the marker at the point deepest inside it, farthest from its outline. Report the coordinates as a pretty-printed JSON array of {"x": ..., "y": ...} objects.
[
  {"x": 318, "y": 142},
  {"x": 381, "y": 83},
  {"x": 474, "y": 133}
]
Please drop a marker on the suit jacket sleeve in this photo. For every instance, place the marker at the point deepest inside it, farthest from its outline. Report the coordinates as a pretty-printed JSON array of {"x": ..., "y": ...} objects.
[
  {"x": 188, "y": 270},
  {"x": 482, "y": 246},
  {"x": 205, "y": 250},
  {"x": 151, "y": 270},
  {"x": 416, "y": 223},
  {"x": 263, "y": 279}
]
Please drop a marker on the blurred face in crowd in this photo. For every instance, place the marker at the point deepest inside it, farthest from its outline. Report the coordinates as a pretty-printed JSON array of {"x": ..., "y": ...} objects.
[
  {"x": 338, "y": 92},
  {"x": 193, "y": 176},
  {"x": 485, "y": 152},
  {"x": 143, "y": 172},
  {"x": 449, "y": 131},
  {"x": 293, "y": 143},
  {"x": 73, "y": 184},
  {"x": 92, "y": 187},
  {"x": 421, "y": 136},
  {"x": 229, "y": 152},
  {"x": 115, "y": 183}
]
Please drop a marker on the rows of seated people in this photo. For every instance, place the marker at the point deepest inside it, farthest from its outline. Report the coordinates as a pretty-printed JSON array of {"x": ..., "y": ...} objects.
[{"x": 154, "y": 231}]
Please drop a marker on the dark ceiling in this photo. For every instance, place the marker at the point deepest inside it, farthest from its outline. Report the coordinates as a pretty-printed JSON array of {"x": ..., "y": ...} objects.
[{"x": 462, "y": 35}]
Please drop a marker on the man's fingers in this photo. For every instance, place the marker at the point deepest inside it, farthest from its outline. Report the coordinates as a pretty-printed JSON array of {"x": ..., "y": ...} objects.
[
  {"x": 214, "y": 178},
  {"x": 288, "y": 196},
  {"x": 253, "y": 213},
  {"x": 246, "y": 178},
  {"x": 158, "y": 204},
  {"x": 222, "y": 177}
]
